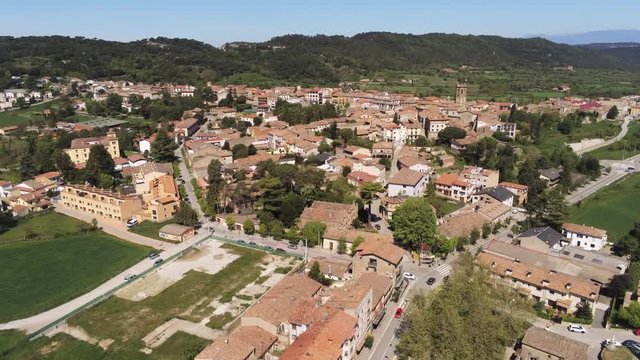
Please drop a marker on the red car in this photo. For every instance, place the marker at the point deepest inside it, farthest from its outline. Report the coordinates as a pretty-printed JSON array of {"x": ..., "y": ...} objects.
[
  {"x": 398, "y": 313},
  {"x": 636, "y": 332}
]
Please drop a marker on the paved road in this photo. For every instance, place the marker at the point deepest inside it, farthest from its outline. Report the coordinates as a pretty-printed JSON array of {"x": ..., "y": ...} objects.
[
  {"x": 187, "y": 176},
  {"x": 621, "y": 134}
]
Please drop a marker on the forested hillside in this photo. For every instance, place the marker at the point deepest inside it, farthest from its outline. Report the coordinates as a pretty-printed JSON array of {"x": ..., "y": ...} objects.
[{"x": 286, "y": 59}]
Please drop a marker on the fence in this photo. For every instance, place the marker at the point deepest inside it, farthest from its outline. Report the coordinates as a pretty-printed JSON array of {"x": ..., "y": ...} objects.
[{"x": 37, "y": 334}]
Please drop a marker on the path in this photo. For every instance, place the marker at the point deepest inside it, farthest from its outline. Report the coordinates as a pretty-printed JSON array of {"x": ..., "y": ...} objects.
[{"x": 623, "y": 132}]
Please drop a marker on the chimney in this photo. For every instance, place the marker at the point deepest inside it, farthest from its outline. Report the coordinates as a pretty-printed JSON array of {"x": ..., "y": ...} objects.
[
  {"x": 508, "y": 272},
  {"x": 529, "y": 274},
  {"x": 568, "y": 286}
]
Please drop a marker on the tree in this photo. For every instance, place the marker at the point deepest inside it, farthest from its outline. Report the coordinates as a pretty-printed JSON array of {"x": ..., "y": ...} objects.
[
  {"x": 421, "y": 141},
  {"x": 368, "y": 192},
  {"x": 549, "y": 209},
  {"x": 342, "y": 245},
  {"x": 450, "y": 133},
  {"x": 291, "y": 208},
  {"x": 215, "y": 183},
  {"x": 251, "y": 150},
  {"x": 584, "y": 311},
  {"x": 163, "y": 147},
  {"x": 249, "y": 227},
  {"x": 186, "y": 215},
  {"x": 631, "y": 314},
  {"x": 315, "y": 273},
  {"x": 231, "y": 223},
  {"x": 324, "y": 147},
  {"x": 346, "y": 170},
  {"x": 27, "y": 166},
  {"x": 113, "y": 104},
  {"x": 618, "y": 285},
  {"x": 313, "y": 232},
  {"x": 439, "y": 327},
  {"x": 613, "y": 112},
  {"x": 474, "y": 236},
  {"x": 277, "y": 229},
  {"x": 240, "y": 151},
  {"x": 413, "y": 223},
  {"x": 99, "y": 163},
  {"x": 354, "y": 245},
  {"x": 486, "y": 230}
]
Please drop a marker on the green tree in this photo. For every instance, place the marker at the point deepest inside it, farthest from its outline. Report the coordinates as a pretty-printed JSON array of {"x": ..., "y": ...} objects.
[
  {"x": 439, "y": 327},
  {"x": 277, "y": 229},
  {"x": 584, "y": 311},
  {"x": 324, "y": 147},
  {"x": 631, "y": 314},
  {"x": 368, "y": 193},
  {"x": 346, "y": 170},
  {"x": 486, "y": 230},
  {"x": 162, "y": 149},
  {"x": 251, "y": 150},
  {"x": 186, "y": 215},
  {"x": 215, "y": 183},
  {"x": 342, "y": 245},
  {"x": 231, "y": 223},
  {"x": 474, "y": 236},
  {"x": 354, "y": 245},
  {"x": 613, "y": 112},
  {"x": 450, "y": 133},
  {"x": 99, "y": 163},
  {"x": 240, "y": 151},
  {"x": 314, "y": 272},
  {"x": 413, "y": 222},
  {"x": 27, "y": 166},
  {"x": 313, "y": 232},
  {"x": 113, "y": 104},
  {"x": 65, "y": 166},
  {"x": 249, "y": 227},
  {"x": 421, "y": 141}
]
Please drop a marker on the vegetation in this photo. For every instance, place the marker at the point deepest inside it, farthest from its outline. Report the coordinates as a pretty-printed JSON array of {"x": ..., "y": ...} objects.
[
  {"x": 42, "y": 226},
  {"x": 186, "y": 215},
  {"x": 619, "y": 353},
  {"x": 414, "y": 223},
  {"x": 39, "y": 275},
  {"x": 150, "y": 229},
  {"x": 438, "y": 327},
  {"x": 627, "y": 147}
]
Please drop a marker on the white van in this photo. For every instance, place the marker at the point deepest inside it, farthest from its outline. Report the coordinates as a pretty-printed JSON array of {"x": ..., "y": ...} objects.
[{"x": 132, "y": 222}]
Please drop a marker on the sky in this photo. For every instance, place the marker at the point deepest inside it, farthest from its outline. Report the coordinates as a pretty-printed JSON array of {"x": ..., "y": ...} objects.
[{"x": 217, "y": 22}]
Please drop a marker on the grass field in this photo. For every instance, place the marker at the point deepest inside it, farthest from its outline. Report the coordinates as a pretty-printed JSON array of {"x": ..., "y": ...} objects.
[
  {"x": 179, "y": 346},
  {"x": 620, "y": 353},
  {"x": 22, "y": 116},
  {"x": 614, "y": 208},
  {"x": 150, "y": 229},
  {"x": 627, "y": 147},
  {"x": 38, "y": 275},
  {"x": 552, "y": 139},
  {"x": 49, "y": 225},
  {"x": 188, "y": 298}
]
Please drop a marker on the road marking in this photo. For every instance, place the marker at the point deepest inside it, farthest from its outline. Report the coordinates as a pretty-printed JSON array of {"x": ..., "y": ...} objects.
[{"x": 444, "y": 270}]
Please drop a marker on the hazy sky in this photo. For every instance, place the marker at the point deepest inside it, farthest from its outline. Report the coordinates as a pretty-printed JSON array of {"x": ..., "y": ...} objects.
[{"x": 218, "y": 22}]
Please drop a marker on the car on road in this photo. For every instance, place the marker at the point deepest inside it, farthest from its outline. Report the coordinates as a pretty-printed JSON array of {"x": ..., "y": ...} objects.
[
  {"x": 241, "y": 242},
  {"x": 431, "y": 281},
  {"x": 130, "y": 277},
  {"x": 280, "y": 250},
  {"x": 409, "y": 276},
  {"x": 158, "y": 262},
  {"x": 377, "y": 226},
  {"x": 153, "y": 255},
  {"x": 636, "y": 332},
  {"x": 268, "y": 248},
  {"x": 292, "y": 246},
  {"x": 252, "y": 243},
  {"x": 631, "y": 168},
  {"x": 577, "y": 329},
  {"x": 398, "y": 314},
  {"x": 132, "y": 222}
]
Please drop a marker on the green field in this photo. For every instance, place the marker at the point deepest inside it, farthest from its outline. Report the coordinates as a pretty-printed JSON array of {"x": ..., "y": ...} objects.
[
  {"x": 627, "y": 147},
  {"x": 49, "y": 225},
  {"x": 23, "y": 116},
  {"x": 614, "y": 208},
  {"x": 150, "y": 229},
  {"x": 552, "y": 139},
  {"x": 188, "y": 298},
  {"x": 620, "y": 353},
  {"x": 39, "y": 275}
]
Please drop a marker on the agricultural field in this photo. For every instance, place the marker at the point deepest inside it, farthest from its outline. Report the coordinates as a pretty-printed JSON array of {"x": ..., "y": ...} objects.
[
  {"x": 620, "y": 203},
  {"x": 46, "y": 226}
]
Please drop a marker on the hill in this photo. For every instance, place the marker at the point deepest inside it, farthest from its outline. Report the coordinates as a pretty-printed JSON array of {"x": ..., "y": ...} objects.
[
  {"x": 287, "y": 59},
  {"x": 627, "y": 53},
  {"x": 592, "y": 37}
]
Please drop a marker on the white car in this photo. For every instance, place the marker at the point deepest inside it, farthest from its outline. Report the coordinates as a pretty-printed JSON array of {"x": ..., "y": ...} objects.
[
  {"x": 409, "y": 276},
  {"x": 132, "y": 222},
  {"x": 577, "y": 328}
]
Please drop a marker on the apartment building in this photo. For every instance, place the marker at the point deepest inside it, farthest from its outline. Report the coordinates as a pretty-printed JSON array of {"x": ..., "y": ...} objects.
[
  {"x": 453, "y": 187},
  {"x": 356, "y": 300},
  {"x": 380, "y": 257},
  {"x": 480, "y": 177},
  {"x": 100, "y": 202},
  {"x": 81, "y": 147},
  {"x": 521, "y": 191}
]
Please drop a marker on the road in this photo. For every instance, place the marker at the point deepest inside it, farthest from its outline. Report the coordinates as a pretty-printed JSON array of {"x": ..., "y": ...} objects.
[{"x": 621, "y": 134}]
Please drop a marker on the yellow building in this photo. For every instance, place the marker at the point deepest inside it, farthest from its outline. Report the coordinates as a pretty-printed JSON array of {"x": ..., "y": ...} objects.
[
  {"x": 101, "y": 202},
  {"x": 80, "y": 148}
]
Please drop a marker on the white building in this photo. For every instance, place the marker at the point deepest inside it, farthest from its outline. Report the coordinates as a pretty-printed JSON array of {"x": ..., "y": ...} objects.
[
  {"x": 407, "y": 182},
  {"x": 586, "y": 237}
]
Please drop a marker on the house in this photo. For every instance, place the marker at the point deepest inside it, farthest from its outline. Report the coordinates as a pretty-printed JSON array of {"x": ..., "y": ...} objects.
[
  {"x": 586, "y": 237},
  {"x": 479, "y": 177},
  {"x": 244, "y": 343},
  {"x": 391, "y": 203},
  {"x": 473, "y": 217},
  {"x": 332, "y": 214},
  {"x": 556, "y": 290},
  {"x": 498, "y": 193},
  {"x": 521, "y": 191},
  {"x": 355, "y": 299},
  {"x": 81, "y": 147},
  {"x": 185, "y": 128},
  {"x": 336, "y": 269},
  {"x": 453, "y": 187},
  {"x": 381, "y": 257},
  {"x": 357, "y": 178},
  {"x": 331, "y": 338},
  {"x": 332, "y": 236},
  {"x": 382, "y": 150},
  {"x": 176, "y": 232},
  {"x": 5, "y": 188},
  {"x": 434, "y": 126},
  {"x": 382, "y": 287},
  {"x": 357, "y": 152},
  {"x": 539, "y": 343},
  {"x": 542, "y": 239},
  {"x": 407, "y": 182},
  {"x": 393, "y": 133},
  {"x": 551, "y": 176}
]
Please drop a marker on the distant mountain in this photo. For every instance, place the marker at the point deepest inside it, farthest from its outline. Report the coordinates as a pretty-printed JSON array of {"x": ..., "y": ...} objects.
[
  {"x": 627, "y": 53},
  {"x": 593, "y": 37},
  {"x": 291, "y": 58}
]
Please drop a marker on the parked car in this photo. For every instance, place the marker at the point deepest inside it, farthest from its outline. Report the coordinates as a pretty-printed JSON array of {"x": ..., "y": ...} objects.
[
  {"x": 158, "y": 262},
  {"x": 279, "y": 250},
  {"x": 577, "y": 329},
  {"x": 292, "y": 246},
  {"x": 252, "y": 243},
  {"x": 398, "y": 313},
  {"x": 409, "y": 276},
  {"x": 130, "y": 277},
  {"x": 153, "y": 255},
  {"x": 241, "y": 242},
  {"x": 431, "y": 281},
  {"x": 132, "y": 222},
  {"x": 268, "y": 248}
]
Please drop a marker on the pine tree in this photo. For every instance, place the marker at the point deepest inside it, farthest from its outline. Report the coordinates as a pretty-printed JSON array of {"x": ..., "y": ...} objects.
[
  {"x": 162, "y": 149},
  {"x": 27, "y": 166}
]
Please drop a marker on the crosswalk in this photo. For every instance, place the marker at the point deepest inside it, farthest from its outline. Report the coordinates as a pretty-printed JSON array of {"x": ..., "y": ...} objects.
[{"x": 444, "y": 269}]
